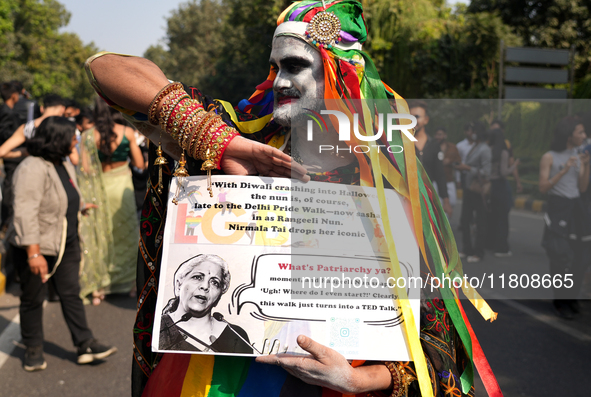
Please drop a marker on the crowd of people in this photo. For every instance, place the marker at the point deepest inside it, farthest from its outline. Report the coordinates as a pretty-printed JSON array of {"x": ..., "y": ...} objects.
[
  {"x": 61, "y": 160},
  {"x": 480, "y": 165}
]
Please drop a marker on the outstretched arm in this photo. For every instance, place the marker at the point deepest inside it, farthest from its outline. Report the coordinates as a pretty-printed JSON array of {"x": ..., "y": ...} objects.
[
  {"x": 17, "y": 139},
  {"x": 132, "y": 83}
]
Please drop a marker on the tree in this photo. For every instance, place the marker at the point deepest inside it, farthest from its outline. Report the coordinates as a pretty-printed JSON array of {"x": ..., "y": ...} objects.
[
  {"x": 195, "y": 41},
  {"x": 221, "y": 47},
  {"x": 424, "y": 49},
  {"x": 547, "y": 23},
  {"x": 248, "y": 32},
  {"x": 35, "y": 53}
]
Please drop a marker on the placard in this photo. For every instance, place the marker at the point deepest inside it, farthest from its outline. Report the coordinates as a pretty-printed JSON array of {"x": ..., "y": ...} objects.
[{"x": 266, "y": 259}]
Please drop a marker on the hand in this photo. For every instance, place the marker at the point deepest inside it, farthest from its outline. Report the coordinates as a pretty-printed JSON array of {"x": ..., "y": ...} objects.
[
  {"x": 584, "y": 158},
  {"x": 246, "y": 157},
  {"x": 519, "y": 187},
  {"x": 38, "y": 266},
  {"x": 516, "y": 162},
  {"x": 326, "y": 367},
  {"x": 571, "y": 162},
  {"x": 87, "y": 207},
  {"x": 463, "y": 167},
  {"x": 447, "y": 207}
]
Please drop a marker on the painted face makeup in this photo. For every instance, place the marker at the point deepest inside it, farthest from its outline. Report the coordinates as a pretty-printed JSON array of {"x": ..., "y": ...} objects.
[{"x": 299, "y": 83}]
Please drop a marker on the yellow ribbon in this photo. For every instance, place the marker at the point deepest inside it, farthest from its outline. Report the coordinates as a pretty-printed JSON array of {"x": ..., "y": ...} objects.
[
  {"x": 479, "y": 303},
  {"x": 409, "y": 329},
  {"x": 247, "y": 127}
]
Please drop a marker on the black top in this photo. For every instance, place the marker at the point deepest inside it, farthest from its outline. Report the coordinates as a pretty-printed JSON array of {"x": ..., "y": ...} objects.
[
  {"x": 21, "y": 108},
  {"x": 9, "y": 122},
  {"x": 73, "y": 202},
  {"x": 432, "y": 159},
  {"x": 173, "y": 337}
]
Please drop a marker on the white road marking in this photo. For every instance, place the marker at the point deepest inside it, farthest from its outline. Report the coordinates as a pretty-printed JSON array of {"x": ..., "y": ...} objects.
[
  {"x": 8, "y": 338},
  {"x": 11, "y": 337},
  {"x": 547, "y": 319}
]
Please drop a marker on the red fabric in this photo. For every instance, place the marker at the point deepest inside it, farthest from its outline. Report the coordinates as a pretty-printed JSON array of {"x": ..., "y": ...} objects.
[
  {"x": 486, "y": 374},
  {"x": 168, "y": 377},
  {"x": 265, "y": 85},
  {"x": 351, "y": 79},
  {"x": 308, "y": 17},
  {"x": 330, "y": 393}
]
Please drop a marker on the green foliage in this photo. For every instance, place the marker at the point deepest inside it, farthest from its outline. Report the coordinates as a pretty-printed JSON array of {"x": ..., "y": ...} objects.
[
  {"x": 583, "y": 88},
  {"x": 34, "y": 52},
  {"x": 222, "y": 47},
  {"x": 547, "y": 23},
  {"x": 424, "y": 49},
  {"x": 194, "y": 38},
  {"x": 248, "y": 33}
]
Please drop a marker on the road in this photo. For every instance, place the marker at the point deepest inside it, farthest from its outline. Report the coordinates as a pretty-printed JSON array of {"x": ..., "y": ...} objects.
[{"x": 532, "y": 352}]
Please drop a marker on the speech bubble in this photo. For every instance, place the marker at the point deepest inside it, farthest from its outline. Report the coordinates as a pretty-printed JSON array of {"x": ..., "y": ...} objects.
[{"x": 313, "y": 291}]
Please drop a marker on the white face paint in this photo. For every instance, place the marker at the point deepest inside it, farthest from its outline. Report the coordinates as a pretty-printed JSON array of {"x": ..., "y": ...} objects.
[{"x": 300, "y": 79}]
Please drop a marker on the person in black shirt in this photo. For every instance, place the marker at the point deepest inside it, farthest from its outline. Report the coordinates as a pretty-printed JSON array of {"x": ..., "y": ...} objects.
[
  {"x": 9, "y": 120},
  {"x": 25, "y": 108},
  {"x": 46, "y": 244},
  {"x": 429, "y": 152}
]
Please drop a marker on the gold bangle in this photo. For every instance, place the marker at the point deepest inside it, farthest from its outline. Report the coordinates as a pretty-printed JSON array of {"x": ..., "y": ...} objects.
[
  {"x": 401, "y": 378},
  {"x": 196, "y": 135},
  {"x": 206, "y": 142},
  {"x": 204, "y": 130},
  {"x": 187, "y": 127},
  {"x": 169, "y": 102},
  {"x": 152, "y": 109}
]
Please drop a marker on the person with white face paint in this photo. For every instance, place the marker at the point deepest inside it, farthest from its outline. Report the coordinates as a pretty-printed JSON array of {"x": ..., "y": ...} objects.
[{"x": 316, "y": 59}]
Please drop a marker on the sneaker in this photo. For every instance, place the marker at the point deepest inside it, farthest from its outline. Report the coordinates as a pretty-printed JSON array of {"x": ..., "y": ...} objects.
[
  {"x": 91, "y": 351},
  {"x": 503, "y": 254},
  {"x": 34, "y": 360},
  {"x": 473, "y": 259}
]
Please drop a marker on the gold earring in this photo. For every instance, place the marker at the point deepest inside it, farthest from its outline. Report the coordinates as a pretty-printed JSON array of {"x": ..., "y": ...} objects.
[
  {"x": 160, "y": 161},
  {"x": 181, "y": 172},
  {"x": 208, "y": 165}
]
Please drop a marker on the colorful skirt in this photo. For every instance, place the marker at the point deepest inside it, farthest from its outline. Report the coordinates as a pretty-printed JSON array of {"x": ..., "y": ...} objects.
[{"x": 121, "y": 198}]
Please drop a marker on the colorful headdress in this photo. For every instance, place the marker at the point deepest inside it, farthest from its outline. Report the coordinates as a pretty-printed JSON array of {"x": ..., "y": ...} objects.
[{"x": 340, "y": 24}]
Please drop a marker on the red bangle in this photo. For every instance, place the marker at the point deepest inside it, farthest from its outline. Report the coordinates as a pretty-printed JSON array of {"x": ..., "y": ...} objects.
[{"x": 222, "y": 140}]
